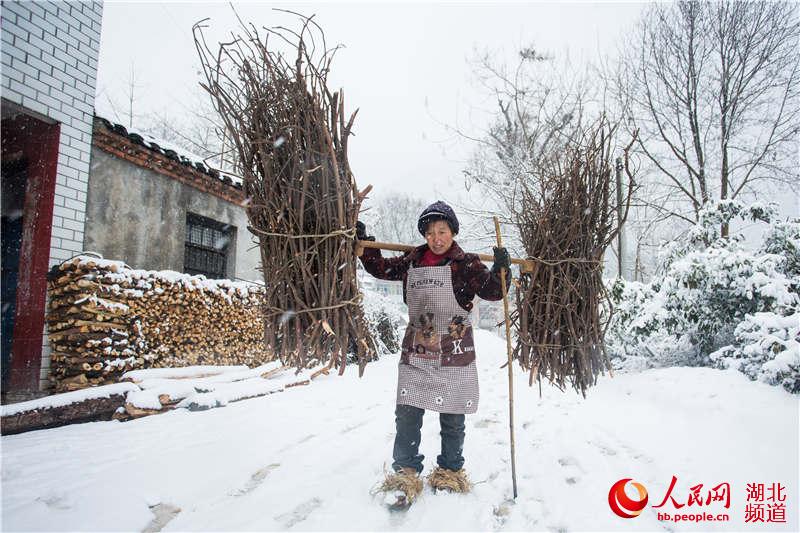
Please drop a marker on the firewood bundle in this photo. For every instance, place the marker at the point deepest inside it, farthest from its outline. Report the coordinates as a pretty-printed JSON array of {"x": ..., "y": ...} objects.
[
  {"x": 290, "y": 136},
  {"x": 104, "y": 318},
  {"x": 88, "y": 324},
  {"x": 566, "y": 223}
]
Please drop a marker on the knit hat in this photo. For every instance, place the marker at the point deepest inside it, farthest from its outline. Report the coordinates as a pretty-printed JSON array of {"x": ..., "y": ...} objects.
[{"x": 437, "y": 211}]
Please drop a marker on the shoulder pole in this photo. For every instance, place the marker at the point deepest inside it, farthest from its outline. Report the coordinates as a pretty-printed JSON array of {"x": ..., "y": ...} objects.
[{"x": 525, "y": 265}]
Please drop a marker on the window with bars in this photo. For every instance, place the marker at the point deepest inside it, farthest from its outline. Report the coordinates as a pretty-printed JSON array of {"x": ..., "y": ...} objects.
[{"x": 206, "y": 247}]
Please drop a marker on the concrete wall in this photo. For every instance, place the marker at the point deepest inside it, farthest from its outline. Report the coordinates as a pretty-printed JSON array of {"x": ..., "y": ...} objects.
[{"x": 138, "y": 216}]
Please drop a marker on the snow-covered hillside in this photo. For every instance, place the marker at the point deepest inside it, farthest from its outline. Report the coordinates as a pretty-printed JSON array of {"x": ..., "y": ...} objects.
[{"x": 306, "y": 459}]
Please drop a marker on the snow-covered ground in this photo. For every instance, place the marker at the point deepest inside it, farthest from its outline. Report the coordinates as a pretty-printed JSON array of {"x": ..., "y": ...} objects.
[{"x": 306, "y": 459}]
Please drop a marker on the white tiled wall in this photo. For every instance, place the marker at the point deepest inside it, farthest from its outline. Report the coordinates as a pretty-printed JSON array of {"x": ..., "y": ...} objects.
[{"x": 49, "y": 66}]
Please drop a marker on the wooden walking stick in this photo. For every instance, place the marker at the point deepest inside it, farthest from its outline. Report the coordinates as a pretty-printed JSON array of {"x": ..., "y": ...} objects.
[{"x": 510, "y": 361}]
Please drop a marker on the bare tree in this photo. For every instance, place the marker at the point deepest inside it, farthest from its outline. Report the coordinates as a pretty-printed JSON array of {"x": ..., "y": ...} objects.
[
  {"x": 191, "y": 124},
  {"x": 129, "y": 115},
  {"x": 541, "y": 107},
  {"x": 131, "y": 94},
  {"x": 544, "y": 106},
  {"x": 394, "y": 219},
  {"x": 195, "y": 127},
  {"x": 712, "y": 88}
]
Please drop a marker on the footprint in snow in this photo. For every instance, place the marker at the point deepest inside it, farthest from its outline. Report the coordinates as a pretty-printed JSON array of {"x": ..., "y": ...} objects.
[
  {"x": 163, "y": 513},
  {"x": 256, "y": 479},
  {"x": 55, "y": 501},
  {"x": 301, "y": 441},
  {"x": 485, "y": 423},
  {"x": 536, "y": 442},
  {"x": 635, "y": 454},
  {"x": 348, "y": 429},
  {"x": 571, "y": 464},
  {"x": 9, "y": 472},
  {"x": 569, "y": 461},
  {"x": 299, "y": 513},
  {"x": 604, "y": 449},
  {"x": 532, "y": 511},
  {"x": 501, "y": 513}
]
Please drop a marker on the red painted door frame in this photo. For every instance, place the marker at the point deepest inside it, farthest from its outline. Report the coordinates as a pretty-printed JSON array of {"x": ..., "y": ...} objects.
[{"x": 38, "y": 142}]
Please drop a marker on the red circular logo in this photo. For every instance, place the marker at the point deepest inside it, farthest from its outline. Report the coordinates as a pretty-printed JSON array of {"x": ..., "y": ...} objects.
[{"x": 621, "y": 504}]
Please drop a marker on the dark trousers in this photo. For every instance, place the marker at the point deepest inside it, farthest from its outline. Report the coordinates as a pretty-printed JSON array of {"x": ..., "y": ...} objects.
[{"x": 406, "y": 443}]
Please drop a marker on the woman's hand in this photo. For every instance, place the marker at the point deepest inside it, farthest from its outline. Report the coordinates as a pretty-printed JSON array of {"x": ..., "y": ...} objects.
[{"x": 501, "y": 260}]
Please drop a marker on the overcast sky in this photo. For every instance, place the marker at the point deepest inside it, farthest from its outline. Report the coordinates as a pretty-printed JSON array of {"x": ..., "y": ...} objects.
[{"x": 405, "y": 66}]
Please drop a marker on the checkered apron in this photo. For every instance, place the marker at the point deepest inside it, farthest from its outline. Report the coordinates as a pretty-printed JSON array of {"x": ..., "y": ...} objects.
[{"x": 437, "y": 364}]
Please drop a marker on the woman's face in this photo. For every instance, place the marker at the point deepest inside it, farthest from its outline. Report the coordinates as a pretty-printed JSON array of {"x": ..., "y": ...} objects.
[{"x": 439, "y": 237}]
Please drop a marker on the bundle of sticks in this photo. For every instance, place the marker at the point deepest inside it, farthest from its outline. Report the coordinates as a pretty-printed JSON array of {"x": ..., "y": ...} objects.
[
  {"x": 290, "y": 135},
  {"x": 104, "y": 318},
  {"x": 568, "y": 219}
]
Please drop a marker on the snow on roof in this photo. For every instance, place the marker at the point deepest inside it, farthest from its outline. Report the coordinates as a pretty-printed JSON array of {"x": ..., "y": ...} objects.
[
  {"x": 173, "y": 151},
  {"x": 208, "y": 161}
]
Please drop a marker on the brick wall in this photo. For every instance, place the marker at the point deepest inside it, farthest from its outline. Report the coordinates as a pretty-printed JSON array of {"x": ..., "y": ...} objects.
[{"x": 49, "y": 68}]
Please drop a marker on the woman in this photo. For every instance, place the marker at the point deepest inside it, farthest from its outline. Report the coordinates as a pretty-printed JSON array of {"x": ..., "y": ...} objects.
[{"x": 437, "y": 365}]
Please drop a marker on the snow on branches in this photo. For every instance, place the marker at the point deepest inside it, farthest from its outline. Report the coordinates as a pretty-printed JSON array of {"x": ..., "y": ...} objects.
[{"x": 716, "y": 303}]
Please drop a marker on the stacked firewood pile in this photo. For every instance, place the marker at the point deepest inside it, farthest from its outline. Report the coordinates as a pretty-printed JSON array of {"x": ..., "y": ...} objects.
[
  {"x": 104, "y": 318},
  {"x": 290, "y": 136},
  {"x": 567, "y": 221}
]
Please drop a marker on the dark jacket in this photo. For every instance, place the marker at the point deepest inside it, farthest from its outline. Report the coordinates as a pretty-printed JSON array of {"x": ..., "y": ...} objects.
[{"x": 470, "y": 276}]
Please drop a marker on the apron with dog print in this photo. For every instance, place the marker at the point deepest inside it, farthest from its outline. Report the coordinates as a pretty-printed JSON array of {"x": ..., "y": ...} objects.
[{"x": 437, "y": 364}]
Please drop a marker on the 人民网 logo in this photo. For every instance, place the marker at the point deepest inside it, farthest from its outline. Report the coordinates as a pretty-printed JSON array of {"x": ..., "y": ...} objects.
[{"x": 621, "y": 504}]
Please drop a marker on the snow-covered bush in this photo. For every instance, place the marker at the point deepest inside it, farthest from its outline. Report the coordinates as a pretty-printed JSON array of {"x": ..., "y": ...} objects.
[
  {"x": 783, "y": 239},
  {"x": 386, "y": 319},
  {"x": 713, "y": 296},
  {"x": 707, "y": 293},
  {"x": 766, "y": 348},
  {"x": 706, "y": 232}
]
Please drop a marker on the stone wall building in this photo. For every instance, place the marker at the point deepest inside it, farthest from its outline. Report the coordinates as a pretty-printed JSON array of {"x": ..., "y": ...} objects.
[{"x": 158, "y": 210}]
